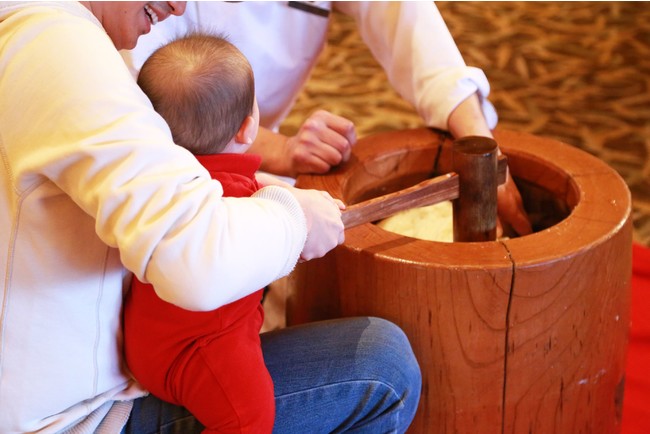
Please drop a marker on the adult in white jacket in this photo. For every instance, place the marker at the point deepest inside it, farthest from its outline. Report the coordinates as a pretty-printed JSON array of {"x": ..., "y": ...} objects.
[
  {"x": 282, "y": 40},
  {"x": 93, "y": 189}
]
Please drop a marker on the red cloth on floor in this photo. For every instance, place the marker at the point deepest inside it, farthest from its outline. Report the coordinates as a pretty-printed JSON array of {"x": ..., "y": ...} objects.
[{"x": 636, "y": 403}]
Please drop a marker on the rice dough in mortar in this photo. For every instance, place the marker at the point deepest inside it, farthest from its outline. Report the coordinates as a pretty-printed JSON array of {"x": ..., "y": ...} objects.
[{"x": 431, "y": 223}]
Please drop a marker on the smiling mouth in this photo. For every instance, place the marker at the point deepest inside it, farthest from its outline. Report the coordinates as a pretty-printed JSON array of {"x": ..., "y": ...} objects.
[{"x": 153, "y": 17}]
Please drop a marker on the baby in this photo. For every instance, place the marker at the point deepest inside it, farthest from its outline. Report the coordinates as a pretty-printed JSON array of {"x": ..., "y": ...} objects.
[{"x": 209, "y": 362}]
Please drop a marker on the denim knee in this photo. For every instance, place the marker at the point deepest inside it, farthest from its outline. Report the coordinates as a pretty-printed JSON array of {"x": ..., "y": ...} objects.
[{"x": 389, "y": 355}]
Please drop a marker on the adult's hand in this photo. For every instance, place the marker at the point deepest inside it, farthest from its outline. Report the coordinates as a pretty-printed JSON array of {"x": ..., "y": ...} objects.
[
  {"x": 323, "y": 141},
  {"x": 510, "y": 209},
  {"x": 325, "y": 228}
]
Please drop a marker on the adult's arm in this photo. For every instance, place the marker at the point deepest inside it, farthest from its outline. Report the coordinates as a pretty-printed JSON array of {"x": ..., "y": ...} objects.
[
  {"x": 413, "y": 45},
  {"x": 92, "y": 134}
]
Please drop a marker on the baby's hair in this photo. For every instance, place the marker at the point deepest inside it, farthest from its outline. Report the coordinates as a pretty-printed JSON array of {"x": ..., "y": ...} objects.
[{"x": 203, "y": 86}]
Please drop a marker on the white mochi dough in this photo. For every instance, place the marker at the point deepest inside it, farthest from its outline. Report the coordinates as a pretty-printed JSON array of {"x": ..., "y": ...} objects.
[{"x": 432, "y": 223}]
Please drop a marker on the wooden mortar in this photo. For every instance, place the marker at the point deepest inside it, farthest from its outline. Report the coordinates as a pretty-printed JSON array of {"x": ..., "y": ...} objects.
[{"x": 523, "y": 335}]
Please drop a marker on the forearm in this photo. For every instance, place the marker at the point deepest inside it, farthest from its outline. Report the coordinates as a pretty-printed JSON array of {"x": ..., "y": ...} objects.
[
  {"x": 422, "y": 62},
  {"x": 467, "y": 119},
  {"x": 274, "y": 151},
  {"x": 148, "y": 198},
  {"x": 268, "y": 230}
]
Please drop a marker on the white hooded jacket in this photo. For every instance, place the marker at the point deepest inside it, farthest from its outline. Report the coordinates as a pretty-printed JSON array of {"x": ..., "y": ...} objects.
[{"x": 92, "y": 186}]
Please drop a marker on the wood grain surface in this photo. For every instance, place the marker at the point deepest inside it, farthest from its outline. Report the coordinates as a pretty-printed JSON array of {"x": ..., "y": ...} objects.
[{"x": 522, "y": 335}]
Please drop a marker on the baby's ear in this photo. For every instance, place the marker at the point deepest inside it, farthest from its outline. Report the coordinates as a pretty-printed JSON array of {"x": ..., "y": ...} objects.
[{"x": 247, "y": 131}]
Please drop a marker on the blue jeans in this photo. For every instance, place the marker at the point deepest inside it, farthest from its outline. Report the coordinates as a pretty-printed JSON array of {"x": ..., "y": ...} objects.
[{"x": 355, "y": 375}]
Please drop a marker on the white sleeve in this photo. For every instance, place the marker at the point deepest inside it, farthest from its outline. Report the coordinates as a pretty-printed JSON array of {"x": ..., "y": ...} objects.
[
  {"x": 82, "y": 124},
  {"x": 412, "y": 43}
]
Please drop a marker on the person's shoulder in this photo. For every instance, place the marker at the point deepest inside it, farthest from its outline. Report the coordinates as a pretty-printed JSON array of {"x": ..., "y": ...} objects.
[
  {"x": 43, "y": 9},
  {"x": 70, "y": 27},
  {"x": 35, "y": 20}
]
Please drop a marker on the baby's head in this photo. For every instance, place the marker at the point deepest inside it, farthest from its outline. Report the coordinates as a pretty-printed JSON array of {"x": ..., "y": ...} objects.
[{"x": 203, "y": 86}]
